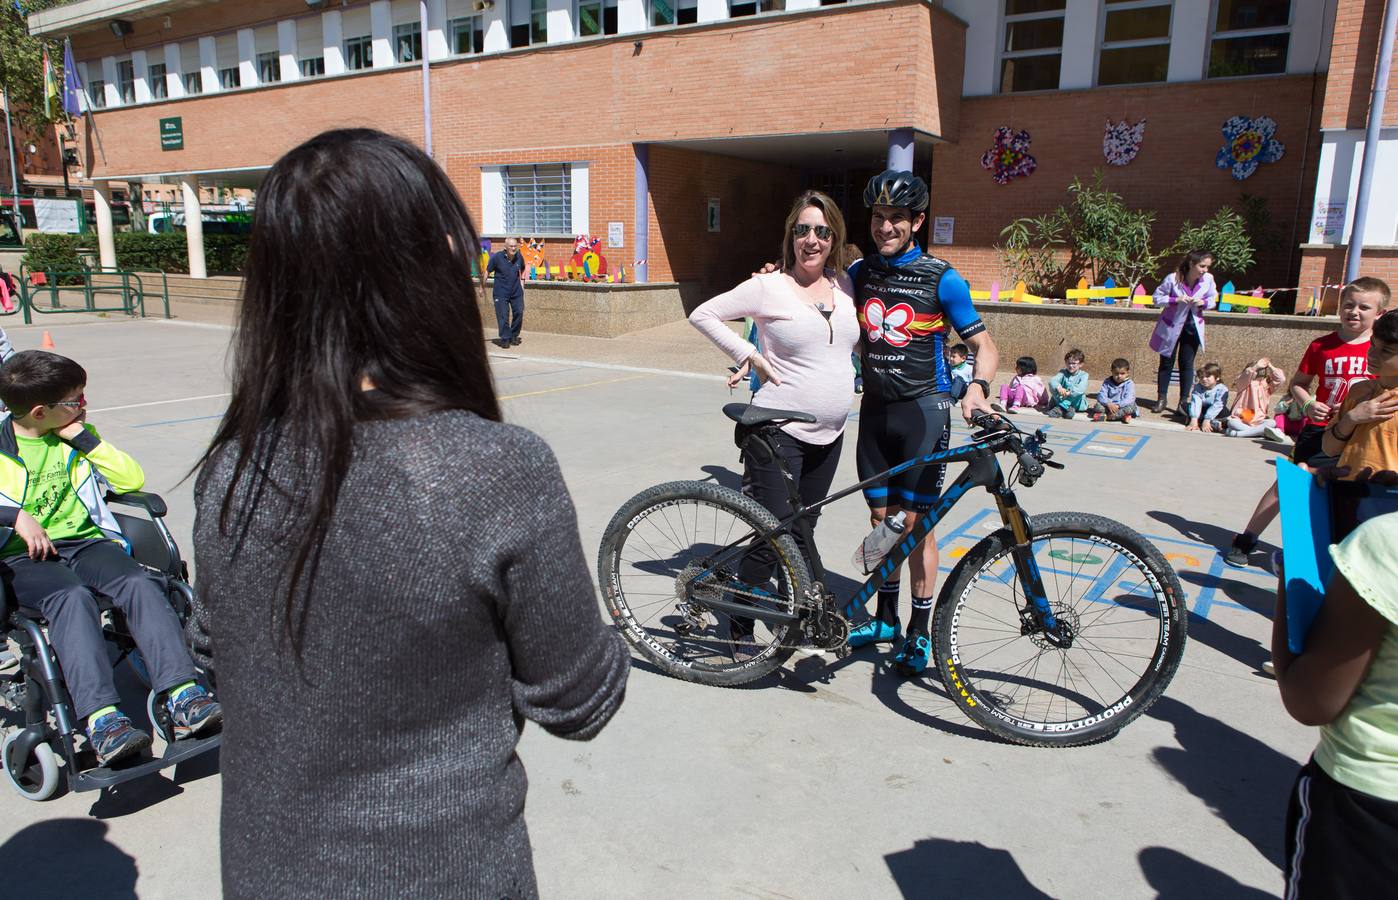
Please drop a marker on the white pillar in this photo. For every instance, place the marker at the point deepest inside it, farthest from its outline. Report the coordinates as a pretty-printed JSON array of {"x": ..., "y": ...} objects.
[
  {"x": 1079, "y": 65},
  {"x": 106, "y": 240},
  {"x": 560, "y": 21},
  {"x": 1189, "y": 40},
  {"x": 286, "y": 50},
  {"x": 140, "y": 67},
  {"x": 717, "y": 10},
  {"x": 174, "y": 72},
  {"x": 208, "y": 65},
  {"x": 497, "y": 27},
  {"x": 247, "y": 58},
  {"x": 1310, "y": 32},
  {"x": 435, "y": 41},
  {"x": 332, "y": 38},
  {"x": 109, "y": 75},
  {"x": 194, "y": 225},
  {"x": 381, "y": 31},
  {"x": 630, "y": 16}
]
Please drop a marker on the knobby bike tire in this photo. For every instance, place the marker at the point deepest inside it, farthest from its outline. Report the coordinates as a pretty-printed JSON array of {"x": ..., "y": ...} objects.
[
  {"x": 640, "y": 630},
  {"x": 988, "y": 696}
]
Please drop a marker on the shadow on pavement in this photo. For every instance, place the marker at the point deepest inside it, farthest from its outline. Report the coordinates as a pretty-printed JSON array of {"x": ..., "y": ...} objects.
[
  {"x": 964, "y": 870},
  {"x": 133, "y": 797},
  {"x": 1213, "y": 535},
  {"x": 1247, "y": 650},
  {"x": 723, "y": 476},
  {"x": 67, "y": 858},
  {"x": 1244, "y": 781},
  {"x": 1175, "y": 876}
]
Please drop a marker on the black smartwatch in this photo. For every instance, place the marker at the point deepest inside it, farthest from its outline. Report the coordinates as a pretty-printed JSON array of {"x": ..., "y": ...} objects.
[{"x": 985, "y": 386}]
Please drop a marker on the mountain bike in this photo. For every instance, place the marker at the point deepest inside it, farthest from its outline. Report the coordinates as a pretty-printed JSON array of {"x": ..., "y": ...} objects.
[{"x": 1055, "y": 630}]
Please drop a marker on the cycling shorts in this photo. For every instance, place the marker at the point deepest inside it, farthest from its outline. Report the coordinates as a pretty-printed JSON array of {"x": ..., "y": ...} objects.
[{"x": 891, "y": 433}]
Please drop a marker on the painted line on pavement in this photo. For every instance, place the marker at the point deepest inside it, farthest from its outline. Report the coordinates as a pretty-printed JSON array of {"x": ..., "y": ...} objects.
[
  {"x": 107, "y": 409},
  {"x": 583, "y": 364},
  {"x": 570, "y": 387}
]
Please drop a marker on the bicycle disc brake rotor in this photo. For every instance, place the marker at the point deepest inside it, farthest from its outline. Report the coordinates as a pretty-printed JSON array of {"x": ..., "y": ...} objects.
[{"x": 1069, "y": 621}]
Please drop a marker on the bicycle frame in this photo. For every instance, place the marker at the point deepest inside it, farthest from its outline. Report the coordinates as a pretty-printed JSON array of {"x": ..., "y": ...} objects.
[{"x": 982, "y": 470}]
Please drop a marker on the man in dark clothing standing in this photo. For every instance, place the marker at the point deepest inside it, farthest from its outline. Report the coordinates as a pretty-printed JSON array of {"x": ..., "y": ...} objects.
[{"x": 508, "y": 291}]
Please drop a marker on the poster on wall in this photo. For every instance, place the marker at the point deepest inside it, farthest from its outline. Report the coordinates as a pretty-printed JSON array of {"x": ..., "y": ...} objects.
[
  {"x": 1328, "y": 224},
  {"x": 616, "y": 233},
  {"x": 943, "y": 227},
  {"x": 713, "y": 214},
  {"x": 56, "y": 216}
]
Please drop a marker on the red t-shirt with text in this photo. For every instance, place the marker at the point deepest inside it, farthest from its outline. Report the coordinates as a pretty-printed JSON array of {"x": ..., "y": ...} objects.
[{"x": 1337, "y": 365}]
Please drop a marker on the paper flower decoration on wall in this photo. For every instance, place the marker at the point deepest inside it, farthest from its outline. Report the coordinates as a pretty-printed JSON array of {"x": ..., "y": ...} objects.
[
  {"x": 1122, "y": 142},
  {"x": 1009, "y": 157},
  {"x": 1247, "y": 142}
]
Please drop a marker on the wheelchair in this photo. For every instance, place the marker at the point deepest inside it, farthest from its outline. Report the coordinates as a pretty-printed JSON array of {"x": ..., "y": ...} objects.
[{"x": 31, "y": 682}]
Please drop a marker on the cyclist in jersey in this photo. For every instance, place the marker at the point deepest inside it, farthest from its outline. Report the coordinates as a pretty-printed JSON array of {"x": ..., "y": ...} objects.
[{"x": 907, "y": 301}]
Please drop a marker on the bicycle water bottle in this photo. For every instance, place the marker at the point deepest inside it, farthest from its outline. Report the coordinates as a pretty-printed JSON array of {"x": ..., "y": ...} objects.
[{"x": 876, "y": 545}]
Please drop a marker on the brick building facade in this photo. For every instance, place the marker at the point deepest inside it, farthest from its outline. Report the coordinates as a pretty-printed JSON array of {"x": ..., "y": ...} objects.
[{"x": 685, "y": 127}]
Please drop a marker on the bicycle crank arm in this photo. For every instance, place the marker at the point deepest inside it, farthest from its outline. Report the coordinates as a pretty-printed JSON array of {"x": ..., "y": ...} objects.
[{"x": 747, "y": 611}]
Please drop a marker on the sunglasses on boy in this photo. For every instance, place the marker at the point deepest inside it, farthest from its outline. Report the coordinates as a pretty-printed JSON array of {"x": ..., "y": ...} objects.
[
  {"x": 801, "y": 229},
  {"x": 72, "y": 404}
]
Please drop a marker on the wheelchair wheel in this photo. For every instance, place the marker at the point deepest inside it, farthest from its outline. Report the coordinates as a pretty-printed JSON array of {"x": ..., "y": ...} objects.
[
  {"x": 35, "y": 778},
  {"x": 159, "y": 716}
]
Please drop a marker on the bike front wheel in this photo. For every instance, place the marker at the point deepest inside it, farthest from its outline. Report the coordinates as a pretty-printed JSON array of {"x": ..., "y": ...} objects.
[
  {"x": 1120, "y": 599},
  {"x": 672, "y": 552}
]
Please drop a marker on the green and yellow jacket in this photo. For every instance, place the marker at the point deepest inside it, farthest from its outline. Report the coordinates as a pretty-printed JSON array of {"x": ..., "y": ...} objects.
[{"x": 94, "y": 468}]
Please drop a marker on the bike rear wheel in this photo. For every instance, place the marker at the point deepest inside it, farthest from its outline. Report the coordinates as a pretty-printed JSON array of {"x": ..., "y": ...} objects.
[
  {"x": 1122, "y": 601},
  {"x": 655, "y": 567}
]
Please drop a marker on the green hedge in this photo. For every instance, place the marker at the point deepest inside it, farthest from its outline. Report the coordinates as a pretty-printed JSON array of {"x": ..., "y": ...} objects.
[{"x": 223, "y": 253}]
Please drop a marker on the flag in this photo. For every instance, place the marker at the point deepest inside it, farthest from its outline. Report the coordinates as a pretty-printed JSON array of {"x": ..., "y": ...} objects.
[
  {"x": 50, "y": 86},
  {"x": 72, "y": 83}
]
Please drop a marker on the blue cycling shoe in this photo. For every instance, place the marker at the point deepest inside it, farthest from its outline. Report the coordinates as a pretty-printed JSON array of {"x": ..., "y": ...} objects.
[
  {"x": 913, "y": 656},
  {"x": 874, "y": 631}
]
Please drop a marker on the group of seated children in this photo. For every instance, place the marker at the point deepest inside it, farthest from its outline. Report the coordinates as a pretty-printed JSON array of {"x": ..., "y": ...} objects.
[{"x": 1065, "y": 395}]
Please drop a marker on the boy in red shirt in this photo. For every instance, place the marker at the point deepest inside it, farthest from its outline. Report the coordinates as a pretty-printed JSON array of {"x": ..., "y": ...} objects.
[{"x": 1336, "y": 361}]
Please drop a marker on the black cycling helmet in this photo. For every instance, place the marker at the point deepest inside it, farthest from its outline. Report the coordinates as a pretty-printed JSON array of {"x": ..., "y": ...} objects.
[{"x": 894, "y": 188}]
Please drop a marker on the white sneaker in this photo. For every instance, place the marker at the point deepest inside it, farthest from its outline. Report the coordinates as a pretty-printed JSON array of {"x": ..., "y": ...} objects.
[
  {"x": 1273, "y": 433},
  {"x": 1269, "y": 670}
]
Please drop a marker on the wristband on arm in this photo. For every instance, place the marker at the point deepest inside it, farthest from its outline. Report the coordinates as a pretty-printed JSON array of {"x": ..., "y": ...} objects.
[{"x": 985, "y": 386}]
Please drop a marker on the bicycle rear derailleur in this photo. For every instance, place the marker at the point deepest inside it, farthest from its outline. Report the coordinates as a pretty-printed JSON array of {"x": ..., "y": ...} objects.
[{"x": 822, "y": 625}]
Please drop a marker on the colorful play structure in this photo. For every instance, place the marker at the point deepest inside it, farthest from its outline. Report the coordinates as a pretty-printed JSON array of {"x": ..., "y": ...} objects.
[{"x": 1230, "y": 299}]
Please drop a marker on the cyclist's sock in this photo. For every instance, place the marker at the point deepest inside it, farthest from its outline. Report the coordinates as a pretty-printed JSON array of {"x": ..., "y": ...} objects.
[
  {"x": 887, "y": 611},
  {"x": 1245, "y": 541},
  {"x": 921, "y": 619}
]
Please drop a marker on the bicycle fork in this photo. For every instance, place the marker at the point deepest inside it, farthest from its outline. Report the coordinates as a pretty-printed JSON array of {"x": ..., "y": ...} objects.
[{"x": 1037, "y": 615}]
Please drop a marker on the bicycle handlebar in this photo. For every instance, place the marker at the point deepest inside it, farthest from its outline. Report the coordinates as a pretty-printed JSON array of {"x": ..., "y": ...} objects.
[{"x": 1031, "y": 453}]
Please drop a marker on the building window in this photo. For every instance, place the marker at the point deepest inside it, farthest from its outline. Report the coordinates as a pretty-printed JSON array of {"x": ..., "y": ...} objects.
[
  {"x": 97, "y": 93},
  {"x": 194, "y": 82},
  {"x": 538, "y": 21},
  {"x": 230, "y": 78},
  {"x": 359, "y": 53},
  {"x": 126, "y": 81},
  {"x": 312, "y": 67},
  {"x": 751, "y": 7},
  {"x": 1251, "y": 37},
  {"x": 662, "y": 13},
  {"x": 538, "y": 199},
  {"x": 589, "y": 18},
  {"x": 1135, "y": 42},
  {"x": 156, "y": 76},
  {"x": 467, "y": 34},
  {"x": 407, "y": 42},
  {"x": 1032, "y": 51},
  {"x": 269, "y": 67}
]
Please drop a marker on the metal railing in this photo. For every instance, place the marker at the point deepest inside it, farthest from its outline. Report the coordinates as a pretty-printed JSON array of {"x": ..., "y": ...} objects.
[{"x": 126, "y": 286}]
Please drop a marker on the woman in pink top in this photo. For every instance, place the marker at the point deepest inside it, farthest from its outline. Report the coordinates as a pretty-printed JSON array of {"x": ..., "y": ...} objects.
[
  {"x": 807, "y": 329},
  {"x": 1185, "y": 294}
]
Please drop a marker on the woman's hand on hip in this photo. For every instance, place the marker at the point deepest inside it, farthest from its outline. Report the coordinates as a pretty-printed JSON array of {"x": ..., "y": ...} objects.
[{"x": 763, "y": 369}]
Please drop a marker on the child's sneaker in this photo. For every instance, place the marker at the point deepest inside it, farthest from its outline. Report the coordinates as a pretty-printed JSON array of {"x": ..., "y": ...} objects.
[
  {"x": 113, "y": 738},
  {"x": 1239, "y": 553},
  {"x": 1273, "y": 433},
  {"x": 193, "y": 711},
  {"x": 1098, "y": 417},
  {"x": 913, "y": 656}
]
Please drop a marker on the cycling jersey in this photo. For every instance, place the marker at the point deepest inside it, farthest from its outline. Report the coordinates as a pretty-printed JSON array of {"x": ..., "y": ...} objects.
[{"x": 905, "y": 306}]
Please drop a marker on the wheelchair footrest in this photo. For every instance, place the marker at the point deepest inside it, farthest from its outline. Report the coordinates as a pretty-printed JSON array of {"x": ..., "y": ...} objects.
[{"x": 178, "y": 752}]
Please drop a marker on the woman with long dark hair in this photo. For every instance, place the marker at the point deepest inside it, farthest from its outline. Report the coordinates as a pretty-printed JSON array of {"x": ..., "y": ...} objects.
[
  {"x": 1179, "y": 332},
  {"x": 390, "y": 580}
]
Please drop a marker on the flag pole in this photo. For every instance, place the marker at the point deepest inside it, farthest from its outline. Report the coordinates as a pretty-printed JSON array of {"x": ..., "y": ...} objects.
[{"x": 10, "y": 145}]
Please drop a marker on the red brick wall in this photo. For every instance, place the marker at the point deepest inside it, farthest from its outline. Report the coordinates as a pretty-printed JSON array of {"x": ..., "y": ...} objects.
[
  {"x": 1353, "y": 59},
  {"x": 1174, "y": 173},
  {"x": 1320, "y": 267}
]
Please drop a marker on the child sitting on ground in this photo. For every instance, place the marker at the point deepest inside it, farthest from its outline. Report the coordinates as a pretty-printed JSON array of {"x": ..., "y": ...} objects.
[
  {"x": 960, "y": 369},
  {"x": 1249, "y": 416},
  {"x": 1208, "y": 402},
  {"x": 1116, "y": 398},
  {"x": 1026, "y": 389},
  {"x": 1068, "y": 388},
  {"x": 1364, "y": 435},
  {"x": 60, "y": 544}
]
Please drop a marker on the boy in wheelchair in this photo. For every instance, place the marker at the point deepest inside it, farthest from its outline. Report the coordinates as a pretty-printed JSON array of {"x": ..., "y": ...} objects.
[{"x": 60, "y": 545}]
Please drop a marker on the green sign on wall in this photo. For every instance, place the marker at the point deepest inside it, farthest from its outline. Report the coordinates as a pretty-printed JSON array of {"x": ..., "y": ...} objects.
[{"x": 172, "y": 133}]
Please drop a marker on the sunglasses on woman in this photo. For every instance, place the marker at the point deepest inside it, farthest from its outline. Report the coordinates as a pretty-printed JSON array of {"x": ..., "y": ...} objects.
[{"x": 801, "y": 229}]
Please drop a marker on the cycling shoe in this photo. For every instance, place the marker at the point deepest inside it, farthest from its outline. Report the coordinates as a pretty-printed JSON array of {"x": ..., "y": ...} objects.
[
  {"x": 874, "y": 631},
  {"x": 913, "y": 656}
]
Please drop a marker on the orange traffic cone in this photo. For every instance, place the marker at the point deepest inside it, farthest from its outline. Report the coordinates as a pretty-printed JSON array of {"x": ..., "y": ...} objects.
[{"x": 47, "y": 342}]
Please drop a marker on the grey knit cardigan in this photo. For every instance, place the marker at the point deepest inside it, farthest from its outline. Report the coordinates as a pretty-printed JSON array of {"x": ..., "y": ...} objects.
[{"x": 453, "y": 602}]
